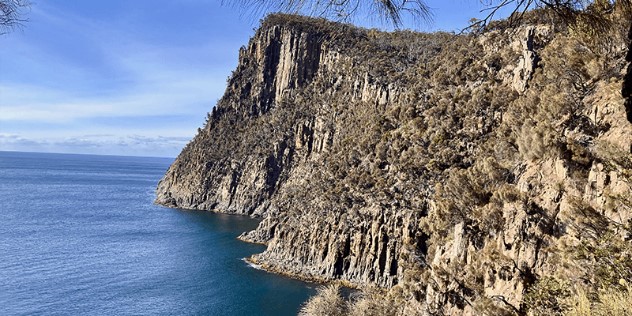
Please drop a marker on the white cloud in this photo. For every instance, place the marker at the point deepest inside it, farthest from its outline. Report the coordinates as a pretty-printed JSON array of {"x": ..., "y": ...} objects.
[
  {"x": 69, "y": 77},
  {"x": 134, "y": 145},
  {"x": 182, "y": 96}
]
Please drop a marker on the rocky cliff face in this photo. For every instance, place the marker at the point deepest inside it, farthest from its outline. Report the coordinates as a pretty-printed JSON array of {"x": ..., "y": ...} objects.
[
  {"x": 455, "y": 170},
  {"x": 626, "y": 91},
  {"x": 217, "y": 170}
]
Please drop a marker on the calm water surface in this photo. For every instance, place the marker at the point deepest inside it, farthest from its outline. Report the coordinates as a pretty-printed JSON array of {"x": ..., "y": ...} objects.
[{"x": 79, "y": 235}]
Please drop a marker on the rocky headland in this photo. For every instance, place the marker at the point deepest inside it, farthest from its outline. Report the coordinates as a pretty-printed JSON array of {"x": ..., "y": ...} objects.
[{"x": 459, "y": 174}]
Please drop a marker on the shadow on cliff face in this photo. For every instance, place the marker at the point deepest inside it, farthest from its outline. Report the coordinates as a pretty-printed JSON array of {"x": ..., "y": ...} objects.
[
  {"x": 626, "y": 91},
  {"x": 435, "y": 165}
]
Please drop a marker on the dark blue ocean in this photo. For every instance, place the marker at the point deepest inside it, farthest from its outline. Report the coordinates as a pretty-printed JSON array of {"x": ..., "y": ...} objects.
[{"x": 80, "y": 235}]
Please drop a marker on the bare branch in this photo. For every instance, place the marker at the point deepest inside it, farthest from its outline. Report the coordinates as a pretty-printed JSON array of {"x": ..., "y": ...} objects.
[
  {"x": 587, "y": 13},
  {"x": 388, "y": 11},
  {"x": 11, "y": 14}
]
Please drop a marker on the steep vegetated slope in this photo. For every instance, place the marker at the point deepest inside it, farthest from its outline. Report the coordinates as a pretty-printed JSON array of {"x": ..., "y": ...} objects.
[{"x": 480, "y": 173}]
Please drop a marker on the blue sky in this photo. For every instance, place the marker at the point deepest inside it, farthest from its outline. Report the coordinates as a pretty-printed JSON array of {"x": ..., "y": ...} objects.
[{"x": 130, "y": 77}]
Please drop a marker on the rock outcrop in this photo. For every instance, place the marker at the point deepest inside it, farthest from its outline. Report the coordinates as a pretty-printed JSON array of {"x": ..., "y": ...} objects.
[
  {"x": 428, "y": 164},
  {"x": 528, "y": 60},
  {"x": 627, "y": 83},
  {"x": 280, "y": 60}
]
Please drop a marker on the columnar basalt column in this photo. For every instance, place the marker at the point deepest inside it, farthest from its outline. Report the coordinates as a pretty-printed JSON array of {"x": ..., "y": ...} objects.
[{"x": 626, "y": 91}]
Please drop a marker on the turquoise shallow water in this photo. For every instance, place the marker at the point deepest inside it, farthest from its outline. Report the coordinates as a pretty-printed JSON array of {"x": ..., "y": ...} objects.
[{"x": 79, "y": 235}]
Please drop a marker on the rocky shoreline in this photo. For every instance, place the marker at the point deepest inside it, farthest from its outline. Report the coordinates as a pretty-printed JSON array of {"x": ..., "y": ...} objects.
[{"x": 453, "y": 170}]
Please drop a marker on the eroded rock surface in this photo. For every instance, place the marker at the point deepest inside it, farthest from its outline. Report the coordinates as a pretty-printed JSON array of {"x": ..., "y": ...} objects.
[{"x": 429, "y": 164}]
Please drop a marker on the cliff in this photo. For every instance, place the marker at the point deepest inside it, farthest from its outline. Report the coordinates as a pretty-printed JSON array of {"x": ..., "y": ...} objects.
[{"x": 458, "y": 171}]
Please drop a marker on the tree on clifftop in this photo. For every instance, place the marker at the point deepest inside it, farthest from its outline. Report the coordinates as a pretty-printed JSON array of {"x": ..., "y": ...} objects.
[{"x": 393, "y": 11}]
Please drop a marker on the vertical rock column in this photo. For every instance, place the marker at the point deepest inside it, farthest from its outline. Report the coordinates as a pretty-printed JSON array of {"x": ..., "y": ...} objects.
[
  {"x": 526, "y": 66},
  {"x": 626, "y": 91}
]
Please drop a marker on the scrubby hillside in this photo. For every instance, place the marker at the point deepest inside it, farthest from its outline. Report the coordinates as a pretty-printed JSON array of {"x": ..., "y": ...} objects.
[{"x": 479, "y": 173}]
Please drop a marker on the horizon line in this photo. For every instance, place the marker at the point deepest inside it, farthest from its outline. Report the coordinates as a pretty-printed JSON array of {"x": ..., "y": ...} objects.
[{"x": 83, "y": 154}]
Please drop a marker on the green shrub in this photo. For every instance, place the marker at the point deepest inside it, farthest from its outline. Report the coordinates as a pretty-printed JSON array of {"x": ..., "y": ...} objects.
[
  {"x": 327, "y": 302},
  {"x": 547, "y": 297}
]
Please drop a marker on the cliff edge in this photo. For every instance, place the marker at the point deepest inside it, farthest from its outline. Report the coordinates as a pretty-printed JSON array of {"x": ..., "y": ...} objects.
[{"x": 458, "y": 171}]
